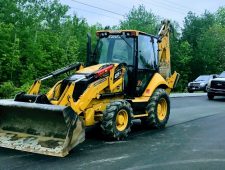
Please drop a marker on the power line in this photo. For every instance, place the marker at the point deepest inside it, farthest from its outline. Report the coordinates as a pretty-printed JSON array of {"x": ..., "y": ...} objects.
[
  {"x": 98, "y": 8},
  {"x": 117, "y": 4},
  {"x": 182, "y": 6},
  {"x": 168, "y": 6},
  {"x": 165, "y": 7},
  {"x": 93, "y": 12},
  {"x": 171, "y": 5}
]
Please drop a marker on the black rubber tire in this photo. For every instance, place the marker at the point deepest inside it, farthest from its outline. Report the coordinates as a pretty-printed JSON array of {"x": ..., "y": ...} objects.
[
  {"x": 108, "y": 124},
  {"x": 152, "y": 121},
  {"x": 190, "y": 91},
  {"x": 210, "y": 96}
]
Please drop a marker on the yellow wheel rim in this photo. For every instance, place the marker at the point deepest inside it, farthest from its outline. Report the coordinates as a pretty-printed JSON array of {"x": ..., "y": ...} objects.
[
  {"x": 121, "y": 120},
  {"x": 162, "y": 109}
]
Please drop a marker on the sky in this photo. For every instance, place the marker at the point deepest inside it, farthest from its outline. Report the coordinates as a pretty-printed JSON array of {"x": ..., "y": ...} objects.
[{"x": 111, "y": 12}]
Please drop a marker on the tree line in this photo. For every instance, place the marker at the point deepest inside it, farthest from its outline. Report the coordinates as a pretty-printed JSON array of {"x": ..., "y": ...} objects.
[{"x": 39, "y": 36}]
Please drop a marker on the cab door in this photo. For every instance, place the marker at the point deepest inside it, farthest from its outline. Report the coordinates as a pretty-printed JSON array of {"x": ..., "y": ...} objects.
[{"x": 147, "y": 62}]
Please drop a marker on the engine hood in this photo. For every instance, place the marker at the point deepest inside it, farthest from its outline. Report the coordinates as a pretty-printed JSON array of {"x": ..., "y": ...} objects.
[
  {"x": 219, "y": 79},
  {"x": 90, "y": 69},
  {"x": 199, "y": 81}
]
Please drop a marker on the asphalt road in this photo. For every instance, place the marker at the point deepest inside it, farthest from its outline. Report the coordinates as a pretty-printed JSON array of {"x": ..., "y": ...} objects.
[{"x": 193, "y": 139}]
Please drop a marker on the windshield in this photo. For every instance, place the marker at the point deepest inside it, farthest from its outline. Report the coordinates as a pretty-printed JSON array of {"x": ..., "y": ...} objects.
[
  {"x": 202, "y": 78},
  {"x": 222, "y": 74},
  {"x": 115, "y": 49}
]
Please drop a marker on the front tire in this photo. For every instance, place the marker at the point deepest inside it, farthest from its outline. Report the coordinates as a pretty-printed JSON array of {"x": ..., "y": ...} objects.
[
  {"x": 117, "y": 120},
  {"x": 158, "y": 110},
  {"x": 190, "y": 91},
  {"x": 210, "y": 96}
]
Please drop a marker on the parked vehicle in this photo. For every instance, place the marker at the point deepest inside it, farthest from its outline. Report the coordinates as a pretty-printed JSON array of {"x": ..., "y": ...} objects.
[
  {"x": 216, "y": 87},
  {"x": 200, "y": 83}
]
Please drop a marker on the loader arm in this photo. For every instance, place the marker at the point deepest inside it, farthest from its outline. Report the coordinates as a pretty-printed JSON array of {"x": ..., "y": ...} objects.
[
  {"x": 35, "y": 87},
  {"x": 85, "y": 105}
]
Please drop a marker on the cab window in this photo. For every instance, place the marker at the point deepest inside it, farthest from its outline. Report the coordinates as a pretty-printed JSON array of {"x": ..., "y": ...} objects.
[{"x": 146, "y": 53}]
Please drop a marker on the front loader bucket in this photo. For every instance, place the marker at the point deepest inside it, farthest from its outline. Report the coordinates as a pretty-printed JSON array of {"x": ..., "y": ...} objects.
[{"x": 39, "y": 128}]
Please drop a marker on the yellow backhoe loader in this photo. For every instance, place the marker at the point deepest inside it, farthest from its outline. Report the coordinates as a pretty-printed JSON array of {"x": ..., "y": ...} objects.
[{"x": 126, "y": 77}]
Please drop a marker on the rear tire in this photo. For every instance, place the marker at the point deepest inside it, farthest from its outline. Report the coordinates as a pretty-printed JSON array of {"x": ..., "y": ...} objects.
[
  {"x": 117, "y": 120},
  {"x": 158, "y": 110},
  {"x": 210, "y": 96}
]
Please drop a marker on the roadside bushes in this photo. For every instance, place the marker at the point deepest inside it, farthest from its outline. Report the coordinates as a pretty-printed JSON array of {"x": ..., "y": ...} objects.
[{"x": 9, "y": 90}]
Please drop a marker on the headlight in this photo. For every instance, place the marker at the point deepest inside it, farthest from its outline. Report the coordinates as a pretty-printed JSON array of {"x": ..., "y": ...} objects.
[
  {"x": 189, "y": 84},
  {"x": 209, "y": 83},
  {"x": 202, "y": 84}
]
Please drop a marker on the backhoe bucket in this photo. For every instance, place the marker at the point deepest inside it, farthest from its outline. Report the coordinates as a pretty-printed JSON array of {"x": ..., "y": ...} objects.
[{"x": 39, "y": 128}]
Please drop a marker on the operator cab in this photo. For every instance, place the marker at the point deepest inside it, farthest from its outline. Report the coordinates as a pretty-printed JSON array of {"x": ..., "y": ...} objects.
[{"x": 138, "y": 50}]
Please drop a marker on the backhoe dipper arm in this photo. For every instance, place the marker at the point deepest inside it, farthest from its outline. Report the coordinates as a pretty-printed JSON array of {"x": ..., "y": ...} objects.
[
  {"x": 164, "y": 50},
  {"x": 164, "y": 56}
]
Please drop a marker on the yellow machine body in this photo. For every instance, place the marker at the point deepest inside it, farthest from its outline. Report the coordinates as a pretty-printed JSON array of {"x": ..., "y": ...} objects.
[{"x": 53, "y": 124}]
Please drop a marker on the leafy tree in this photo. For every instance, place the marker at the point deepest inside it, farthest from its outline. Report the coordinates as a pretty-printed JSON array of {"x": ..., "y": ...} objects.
[
  {"x": 71, "y": 52},
  {"x": 183, "y": 59},
  {"x": 212, "y": 46},
  {"x": 7, "y": 89},
  {"x": 194, "y": 28},
  {"x": 9, "y": 53},
  {"x": 140, "y": 19},
  {"x": 220, "y": 16}
]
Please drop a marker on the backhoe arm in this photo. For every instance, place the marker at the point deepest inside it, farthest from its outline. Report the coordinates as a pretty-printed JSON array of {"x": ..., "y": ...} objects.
[
  {"x": 164, "y": 56},
  {"x": 164, "y": 50}
]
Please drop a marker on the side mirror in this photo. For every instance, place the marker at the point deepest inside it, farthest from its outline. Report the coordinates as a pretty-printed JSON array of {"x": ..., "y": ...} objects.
[{"x": 214, "y": 76}]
